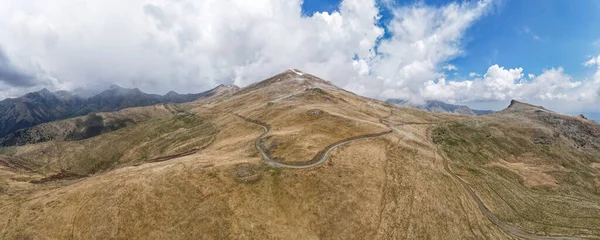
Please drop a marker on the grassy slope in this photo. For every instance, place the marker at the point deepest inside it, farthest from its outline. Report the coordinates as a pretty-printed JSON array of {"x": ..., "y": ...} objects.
[
  {"x": 131, "y": 145},
  {"x": 387, "y": 188},
  {"x": 286, "y": 103},
  {"x": 530, "y": 174},
  {"x": 83, "y": 127}
]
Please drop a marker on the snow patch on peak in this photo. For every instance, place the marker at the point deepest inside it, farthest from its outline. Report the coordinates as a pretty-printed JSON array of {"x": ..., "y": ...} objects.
[{"x": 296, "y": 72}]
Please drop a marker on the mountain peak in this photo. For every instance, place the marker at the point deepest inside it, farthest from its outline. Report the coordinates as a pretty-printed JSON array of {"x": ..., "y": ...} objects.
[
  {"x": 288, "y": 82},
  {"x": 222, "y": 88},
  {"x": 45, "y": 93},
  {"x": 515, "y": 106},
  {"x": 228, "y": 86},
  {"x": 171, "y": 94},
  {"x": 115, "y": 86},
  {"x": 116, "y": 90},
  {"x": 44, "y": 90},
  {"x": 296, "y": 71},
  {"x": 297, "y": 76}
]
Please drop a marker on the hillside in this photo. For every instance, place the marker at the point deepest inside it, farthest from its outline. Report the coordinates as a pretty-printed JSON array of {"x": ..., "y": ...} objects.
[
  {"x": 295, "y": 157},
  {"x": 536, "y": 170},
  {"x": 440, "y": 107},
  {"x": 88, "y": 126}
]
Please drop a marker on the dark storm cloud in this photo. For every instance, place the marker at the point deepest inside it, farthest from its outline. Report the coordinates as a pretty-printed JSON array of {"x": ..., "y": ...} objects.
[{"x": 13, "y": 76}]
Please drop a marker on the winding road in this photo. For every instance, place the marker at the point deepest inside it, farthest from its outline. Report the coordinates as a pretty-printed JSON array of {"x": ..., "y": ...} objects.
[{"x": 319, "y": 158}]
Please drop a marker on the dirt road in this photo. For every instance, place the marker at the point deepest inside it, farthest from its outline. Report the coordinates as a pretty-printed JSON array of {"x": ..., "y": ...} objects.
[{"x": 320, "y": 158}]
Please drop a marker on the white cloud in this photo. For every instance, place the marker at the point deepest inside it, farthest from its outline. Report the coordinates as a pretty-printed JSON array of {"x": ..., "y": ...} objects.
[
  {"x": 450, "y": 67},
  {"x": 593, "y": 61},
  {"x": 553, "y": 86},
  {"x": 190, "y": 46},
  {"x": 423, "y": 39},
  {"x": 185, "y": 45},
  {"x": 592, "y": 87}
]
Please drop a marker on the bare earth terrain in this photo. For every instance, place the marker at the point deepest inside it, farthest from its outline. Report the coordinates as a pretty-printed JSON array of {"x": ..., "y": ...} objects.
[{"x": 294, "y": 157}]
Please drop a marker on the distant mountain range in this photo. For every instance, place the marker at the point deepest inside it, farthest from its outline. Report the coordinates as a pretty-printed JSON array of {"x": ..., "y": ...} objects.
[
  {"x": 44, "y": 106},
  {"x": 440, "y": 107}
]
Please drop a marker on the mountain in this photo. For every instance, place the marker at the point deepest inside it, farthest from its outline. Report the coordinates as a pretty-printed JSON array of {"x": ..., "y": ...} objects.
[
  {"x": 45, "y": 106},
  {"x": 440, "y": 107},
  {"x": 116, "y": 98},
  {"x": 295, "y": 157},
  {"x": 34, "y": 108}
]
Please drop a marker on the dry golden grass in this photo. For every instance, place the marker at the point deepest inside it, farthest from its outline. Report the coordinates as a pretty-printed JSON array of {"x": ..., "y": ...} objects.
[
  {"x": 527, "y": 175},
  {"x": 532, "y": 174},
  {"x": 382, "y": 188},
  {"x": 135, "y": 144}
]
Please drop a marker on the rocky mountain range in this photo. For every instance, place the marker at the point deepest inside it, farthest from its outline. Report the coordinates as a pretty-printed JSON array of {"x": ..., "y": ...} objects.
[
  {"x": 440, "y": 107},
  {"x": 44, "y": 106}
]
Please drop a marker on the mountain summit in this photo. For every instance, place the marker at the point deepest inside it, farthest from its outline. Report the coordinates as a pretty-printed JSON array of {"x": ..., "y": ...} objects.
[{"x": 517, "y": 106}]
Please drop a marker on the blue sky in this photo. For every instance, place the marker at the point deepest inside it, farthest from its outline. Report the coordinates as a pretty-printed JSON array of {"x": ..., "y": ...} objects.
[
  {"x": 532, "y": 34},
  {"x": 535, "y": 35},
  {"x": 311, "y": 6}
]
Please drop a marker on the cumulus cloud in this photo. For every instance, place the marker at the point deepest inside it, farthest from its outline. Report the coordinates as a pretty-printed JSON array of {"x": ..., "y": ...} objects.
[
  {"x": 190, "y": 46},
  {"x": 500, "y": 84},
  {"x": 593, "y": 61},
  {"x": 423, "y": 39}
]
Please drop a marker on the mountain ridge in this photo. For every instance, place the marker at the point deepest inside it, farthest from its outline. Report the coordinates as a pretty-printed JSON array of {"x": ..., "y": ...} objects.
[
  {"x": 440, "y": 107},
  {"x": 43, "y": 106}
]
